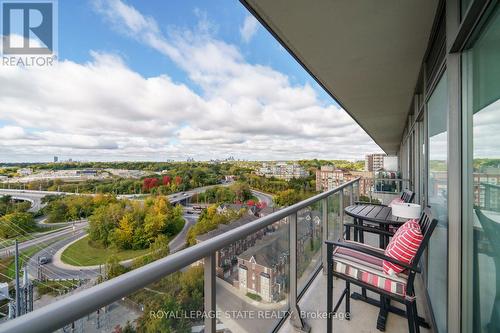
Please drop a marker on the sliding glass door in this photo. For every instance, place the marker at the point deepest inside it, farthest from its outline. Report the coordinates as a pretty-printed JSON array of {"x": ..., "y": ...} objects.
[
  {"x": 481, "y": 233},
  {"x": 437, "y": 193}
]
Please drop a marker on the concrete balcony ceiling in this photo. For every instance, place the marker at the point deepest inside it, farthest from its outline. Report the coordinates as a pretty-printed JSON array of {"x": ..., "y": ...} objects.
[{"x": 366, "y": 54}]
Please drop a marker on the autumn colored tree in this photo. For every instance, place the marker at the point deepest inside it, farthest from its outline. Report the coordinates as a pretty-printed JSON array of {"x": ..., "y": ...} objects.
[
  {"x": 288, "y": 197},
  {"x": 261, "y": 205},
  {"x": 166, "y": 180},
  {"x": 124, "y": 233},
  {"x": 149, "y": 183},
  {"x": 178, "y": 180},
  {"x": 16, "y": 224}
]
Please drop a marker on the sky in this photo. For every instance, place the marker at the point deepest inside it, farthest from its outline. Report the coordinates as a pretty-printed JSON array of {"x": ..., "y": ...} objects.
[{"x": 161, "y": 80}]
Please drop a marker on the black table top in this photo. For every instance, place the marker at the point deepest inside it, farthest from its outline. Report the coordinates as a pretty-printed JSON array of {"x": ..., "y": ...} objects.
[{"x": 374, "y": 213}]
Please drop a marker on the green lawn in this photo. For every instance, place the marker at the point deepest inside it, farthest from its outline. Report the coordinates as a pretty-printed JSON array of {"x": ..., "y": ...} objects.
[
  {"x": 255, "y": 297},
  {"x": 81, "y": 253}
]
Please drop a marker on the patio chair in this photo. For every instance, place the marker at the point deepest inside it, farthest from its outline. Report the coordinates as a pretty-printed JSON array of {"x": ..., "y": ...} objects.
[{"x": 362, "y": 265}]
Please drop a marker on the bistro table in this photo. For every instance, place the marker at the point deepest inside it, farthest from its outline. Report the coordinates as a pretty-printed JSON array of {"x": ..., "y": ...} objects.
[{"x": 376, "y": 217}]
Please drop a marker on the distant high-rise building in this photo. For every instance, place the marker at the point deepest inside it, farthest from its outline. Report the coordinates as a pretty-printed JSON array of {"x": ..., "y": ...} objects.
[
  {"x": 56, "y": 159},
  {"x": 282, "y": 170},
  {"x": 374, "y": 162}
]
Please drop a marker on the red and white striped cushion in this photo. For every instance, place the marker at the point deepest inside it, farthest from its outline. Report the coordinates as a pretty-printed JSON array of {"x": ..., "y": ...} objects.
[
  {"x": 403, "y": 246},
  {"x": 366, "y": 268},
  {"x": 396, "y": 201}
]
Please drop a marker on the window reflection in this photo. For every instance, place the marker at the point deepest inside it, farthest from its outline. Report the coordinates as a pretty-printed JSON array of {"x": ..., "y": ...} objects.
[
  {"x": 482, "y": 110},
  {"x": 438, "y": 200}
]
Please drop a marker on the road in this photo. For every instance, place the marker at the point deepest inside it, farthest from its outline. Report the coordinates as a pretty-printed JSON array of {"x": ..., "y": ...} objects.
[
  {"x": 52, "y": 271},
  {"x": 35, "y": 197},
  {"x": 264, "y": 197},
  {"x": 178, "y": 197},
  {"x": 9, "y": 250},
  {"x": 179, "y": 241}
]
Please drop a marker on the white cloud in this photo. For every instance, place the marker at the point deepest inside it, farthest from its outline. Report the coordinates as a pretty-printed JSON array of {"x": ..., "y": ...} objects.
[
  {"x": 11, "y": 132},
  {"x": 249, "y": 28},
  {"x": 108, "y": 111}
]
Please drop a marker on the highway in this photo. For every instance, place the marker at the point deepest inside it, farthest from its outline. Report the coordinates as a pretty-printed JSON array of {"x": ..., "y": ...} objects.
[
  {"x": 35, "y": 197},
  {"x": 50, "y": 270},
  {"x": 44, "y": 238}
]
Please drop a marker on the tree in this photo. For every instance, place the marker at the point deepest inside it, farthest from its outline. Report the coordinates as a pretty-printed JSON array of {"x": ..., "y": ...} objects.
[
  {"x": 103, "y": 222},
  {"x": 149, "y": 183},
  {"x": 124, "y": 233},
  {"x": 288, "y": 197},
  {"x": 16, "y": 224},
  {"x": 175, "y": 221},
  {"x": 209, "y": 220},
  {"x": 154, "y": 223},
  {"x": 166, "y": 180},
  {"x": 159, "y": 249},
  {"x": 114, "y": 268},
  {"x": 57, "y": 211}
]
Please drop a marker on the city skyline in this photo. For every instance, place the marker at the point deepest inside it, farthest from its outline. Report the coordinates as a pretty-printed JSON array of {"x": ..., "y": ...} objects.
[{"x": 137, "y": 81}]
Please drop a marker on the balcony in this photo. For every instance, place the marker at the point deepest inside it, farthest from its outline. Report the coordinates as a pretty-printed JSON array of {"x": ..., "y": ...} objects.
[{"x": 254, "y": 278}]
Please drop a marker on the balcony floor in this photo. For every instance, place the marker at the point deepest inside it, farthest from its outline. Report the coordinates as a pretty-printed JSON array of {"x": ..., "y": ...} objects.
[{"x": 363, "y": 315}]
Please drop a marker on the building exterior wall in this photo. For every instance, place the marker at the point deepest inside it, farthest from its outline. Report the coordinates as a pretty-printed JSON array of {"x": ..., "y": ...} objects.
[
  {"x": 327, "y": 178},
  {"x": 374, "y": 162},
  {"x": 257, "y": 279},
  {"x": 471, "y": 282},
  {"x": 282, "y": 170}
]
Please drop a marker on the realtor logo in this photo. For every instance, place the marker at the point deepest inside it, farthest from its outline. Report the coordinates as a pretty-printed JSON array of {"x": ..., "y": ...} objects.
[
  {"x": 29, "y": 32},
  {"x": 28, "y": 27}
]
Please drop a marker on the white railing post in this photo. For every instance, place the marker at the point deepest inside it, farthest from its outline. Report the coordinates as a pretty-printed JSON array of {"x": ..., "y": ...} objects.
[
  {"x": 351, "y": 198},
  {"x": 341, "y": 211},
  {"x": 209, "y": 293},
  {"x": 297, "y": 321},
  {"x": 324, "y": 221},
  {"x": 358, "y": 189}
]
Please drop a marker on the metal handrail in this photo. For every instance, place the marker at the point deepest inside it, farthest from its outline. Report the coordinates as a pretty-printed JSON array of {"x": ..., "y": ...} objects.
[{"x": 58, "y": 314}]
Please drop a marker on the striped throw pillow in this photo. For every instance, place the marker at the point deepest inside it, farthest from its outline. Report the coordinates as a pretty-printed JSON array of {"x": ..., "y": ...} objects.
[{"x": 403, "y": 246}]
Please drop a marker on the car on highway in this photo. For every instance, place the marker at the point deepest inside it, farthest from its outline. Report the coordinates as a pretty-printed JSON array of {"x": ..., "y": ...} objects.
[{"x": 43, "y": 260}]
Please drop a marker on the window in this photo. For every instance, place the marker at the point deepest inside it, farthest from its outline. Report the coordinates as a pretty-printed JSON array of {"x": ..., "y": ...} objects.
[
  {"x": 481, "y": 236},
  {"x": 437, "y": 193}
]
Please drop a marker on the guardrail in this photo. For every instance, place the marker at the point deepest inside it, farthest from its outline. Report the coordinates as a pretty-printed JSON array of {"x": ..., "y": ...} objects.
[
  {"x": 390, "y": 185},
  {"x": 490, "y": 195},
  {"x": 320, "y": 216}
]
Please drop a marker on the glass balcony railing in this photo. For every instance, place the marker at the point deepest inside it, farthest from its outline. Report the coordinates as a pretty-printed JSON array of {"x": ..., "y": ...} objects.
[{"x": 248, "y": 279}]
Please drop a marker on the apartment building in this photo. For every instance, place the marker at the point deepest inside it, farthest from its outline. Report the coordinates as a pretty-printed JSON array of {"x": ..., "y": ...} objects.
[
  {"x": 262, "y": 268},
  {"x": 329, "y": 177},
  {"x": 282, "y": 170},
  {"x": 374, "y": 162}
]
